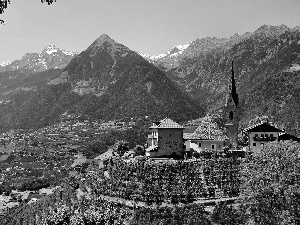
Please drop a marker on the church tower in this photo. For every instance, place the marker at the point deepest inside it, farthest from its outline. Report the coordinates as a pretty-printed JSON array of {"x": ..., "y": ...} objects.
[{"x": 231, "y": 113}]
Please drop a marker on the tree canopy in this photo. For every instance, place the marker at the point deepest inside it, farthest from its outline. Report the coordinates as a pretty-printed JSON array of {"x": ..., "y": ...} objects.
[{"x": 4, "y": 4}]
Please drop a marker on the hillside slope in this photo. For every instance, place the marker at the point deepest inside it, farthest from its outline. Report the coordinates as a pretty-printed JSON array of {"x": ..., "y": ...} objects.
[{"x": 106, "y": 81}]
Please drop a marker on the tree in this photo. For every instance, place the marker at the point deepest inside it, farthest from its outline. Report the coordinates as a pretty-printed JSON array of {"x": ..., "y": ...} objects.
[
  {"x": 4, "y": 4},
  {"x": 139, "y": 150},
  {"x": 271, "y": 184}
]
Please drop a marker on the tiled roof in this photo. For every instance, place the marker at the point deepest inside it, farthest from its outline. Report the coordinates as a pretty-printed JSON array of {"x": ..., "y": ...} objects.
[
  {"x": 207, "y": 130},
  {"x": 262, "y": 127},
  {"x": 167, "y": 123}
]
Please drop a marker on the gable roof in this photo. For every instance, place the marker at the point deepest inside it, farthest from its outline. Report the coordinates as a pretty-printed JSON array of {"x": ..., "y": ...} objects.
[
  {"x": 207, "y": 130},
  {"x": 262, "y": 127},
  {"x": 286, "y": 136},
  {"x": 167, "y": 123}
]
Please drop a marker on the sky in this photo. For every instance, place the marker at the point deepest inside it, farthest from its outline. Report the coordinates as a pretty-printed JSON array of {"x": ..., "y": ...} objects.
[{"x": 146, "y": 26}]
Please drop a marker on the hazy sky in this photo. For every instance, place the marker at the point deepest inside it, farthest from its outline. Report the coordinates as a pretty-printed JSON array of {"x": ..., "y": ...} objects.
[{"x": 146, "y": 26}]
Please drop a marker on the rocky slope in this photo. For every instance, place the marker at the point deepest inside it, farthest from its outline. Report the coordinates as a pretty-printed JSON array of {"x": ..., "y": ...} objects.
[
  {"x": 106, "y": 81},
  {"x": 263, "y": 60}
]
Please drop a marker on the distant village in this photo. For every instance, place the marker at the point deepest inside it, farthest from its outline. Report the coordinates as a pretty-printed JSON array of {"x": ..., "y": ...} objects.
[{"x": 50, "y": 151}]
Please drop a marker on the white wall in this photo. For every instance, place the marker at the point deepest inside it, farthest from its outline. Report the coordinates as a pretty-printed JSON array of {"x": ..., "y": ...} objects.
[
  {"x": 256, "y": 145},
  {"x": 206, "y": 144}
]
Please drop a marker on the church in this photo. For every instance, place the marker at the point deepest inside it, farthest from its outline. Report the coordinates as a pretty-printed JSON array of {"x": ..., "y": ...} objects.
[
  {"x": 208, "y": 136},
  {"x": 169, "y": 138},
  {"x": 231, "y": 114}
]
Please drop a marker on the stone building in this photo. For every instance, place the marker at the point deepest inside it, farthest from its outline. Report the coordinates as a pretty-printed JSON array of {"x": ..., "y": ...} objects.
[{"x": 166, "y": 139}]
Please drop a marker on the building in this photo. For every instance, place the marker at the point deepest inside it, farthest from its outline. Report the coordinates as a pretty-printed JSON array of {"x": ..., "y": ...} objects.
[
  {"x": 231, "y": 114},
  {"x": 166, "y": 139},
  {"x": 207, "y": 137},
  {"x": 287, "y": 137},
  {"x": 261, "y": 133}
]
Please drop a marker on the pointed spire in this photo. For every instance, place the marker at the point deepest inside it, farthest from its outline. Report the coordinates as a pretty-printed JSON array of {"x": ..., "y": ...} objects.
[{"x": 233, "y": 87}]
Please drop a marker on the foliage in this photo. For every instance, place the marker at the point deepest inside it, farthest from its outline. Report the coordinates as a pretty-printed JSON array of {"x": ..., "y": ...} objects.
[
  {"x": 134, "y": 136},
  {"x": 169, "y": 181},
  {"x": 187, "y": 215},
  {"x": 64, "y": 207},
  {"x": 151, "y": 182},
  {"x": 139, "y": 150},
  {"x": 227, "y": 215},
  {"x": 271, "y": 183}
]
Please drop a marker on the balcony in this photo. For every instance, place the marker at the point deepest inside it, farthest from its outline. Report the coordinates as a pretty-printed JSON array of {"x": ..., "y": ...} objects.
[
  {"x": 264, "y": 138},
  {"x": 155, "y": 136}
]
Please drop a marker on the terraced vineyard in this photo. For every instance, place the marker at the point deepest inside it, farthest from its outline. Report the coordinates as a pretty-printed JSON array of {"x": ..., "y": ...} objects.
[{"x": 169, "y": 181}]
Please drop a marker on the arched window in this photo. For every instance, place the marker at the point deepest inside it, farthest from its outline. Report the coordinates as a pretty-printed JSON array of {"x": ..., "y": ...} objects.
[{"x": 231, "y": 115}]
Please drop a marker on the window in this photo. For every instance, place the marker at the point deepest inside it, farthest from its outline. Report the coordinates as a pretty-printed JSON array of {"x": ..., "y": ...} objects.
[
  {"x": 271, "y": 135},
  {"x": 256, "y": 135},
  {"x": 212, "y": 147},
  {"x": 262, "y": 135},
  {"x": 199, "y": 144},
  {"x": 254, "y": 144},
  {"x": 219, "y": 146},
  {"x": 231, "y": 115},
  {"x": 266, "y": 135}
]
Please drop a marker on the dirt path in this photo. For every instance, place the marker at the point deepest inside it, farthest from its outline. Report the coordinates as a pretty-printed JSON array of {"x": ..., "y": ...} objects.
[{"x": 131, "y": 203}]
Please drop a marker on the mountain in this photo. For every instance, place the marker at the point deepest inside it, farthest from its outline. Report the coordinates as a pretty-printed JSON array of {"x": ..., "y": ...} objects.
[
  {"x": 51, "y": 57},
  {"x": 167, "y": 60},
  {"x": 4, "y": 63},
  {"x": 28, "y": 73},
  {"x": 263, "y": 59},
  {"x": 107, "y": 81}
]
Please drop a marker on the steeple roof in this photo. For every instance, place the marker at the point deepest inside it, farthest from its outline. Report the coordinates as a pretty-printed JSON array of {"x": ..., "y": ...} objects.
[{"x": 233, "y": 88}]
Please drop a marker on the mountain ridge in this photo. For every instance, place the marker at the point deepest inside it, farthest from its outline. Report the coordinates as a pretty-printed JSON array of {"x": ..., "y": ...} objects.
[
  {"x": 50, "y": 57},
  {"x": 102, "y": 75},
  {"x": 107, "y": 81}
]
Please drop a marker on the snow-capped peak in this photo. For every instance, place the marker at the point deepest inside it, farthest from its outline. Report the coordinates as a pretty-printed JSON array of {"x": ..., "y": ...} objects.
[
  {"x": 144, "y": 55},
  {"x": 69, "y": 52},
  {"x": 5, "y": 63},
  {"x": 177, "y": 50},
  {"x": 182, "y": 47},
  {"x": 49, "y": 49},
  {"x": 157, "y": 56}
]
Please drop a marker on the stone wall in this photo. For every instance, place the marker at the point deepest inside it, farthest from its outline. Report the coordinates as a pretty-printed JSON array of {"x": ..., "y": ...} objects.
[{"x": 170, "y": 141}]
